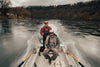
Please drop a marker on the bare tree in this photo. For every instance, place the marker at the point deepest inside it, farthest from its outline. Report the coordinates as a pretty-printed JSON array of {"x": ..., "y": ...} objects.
[{"x": 4, "y": 4}]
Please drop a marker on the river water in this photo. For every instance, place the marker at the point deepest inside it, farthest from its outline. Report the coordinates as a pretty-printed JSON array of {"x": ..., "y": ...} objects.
[{"x": 19, "y": 37}]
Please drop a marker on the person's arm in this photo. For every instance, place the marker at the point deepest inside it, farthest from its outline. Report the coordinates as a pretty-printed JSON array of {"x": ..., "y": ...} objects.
[
  {"x": 46, "y": 42},
  {"x": 57, "y": 42},
  {"x": 41, "y": 31},
  {"x": 50, "y": 28}
]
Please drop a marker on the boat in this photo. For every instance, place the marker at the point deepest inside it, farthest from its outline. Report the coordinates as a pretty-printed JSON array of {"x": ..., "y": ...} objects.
[{"x": 63, "y": 60}]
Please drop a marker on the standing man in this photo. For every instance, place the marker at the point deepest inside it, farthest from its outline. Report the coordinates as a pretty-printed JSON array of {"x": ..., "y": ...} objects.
[{"x": 45, "y": 32}]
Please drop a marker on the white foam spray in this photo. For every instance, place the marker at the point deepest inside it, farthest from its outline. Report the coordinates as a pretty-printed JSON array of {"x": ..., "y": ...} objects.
[{"x": 78, "y": 45}]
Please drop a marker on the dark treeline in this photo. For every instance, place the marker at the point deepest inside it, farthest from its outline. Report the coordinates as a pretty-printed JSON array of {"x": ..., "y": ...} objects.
[
  {"x": 4, "y": 7},
  {"x": 79, "y": 11}
]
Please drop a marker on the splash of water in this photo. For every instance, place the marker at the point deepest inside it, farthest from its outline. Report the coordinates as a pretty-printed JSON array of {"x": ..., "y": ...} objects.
[{"x": 81, "y": 47}]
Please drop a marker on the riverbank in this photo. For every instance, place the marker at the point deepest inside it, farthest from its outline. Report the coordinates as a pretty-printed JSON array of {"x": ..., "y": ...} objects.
[
  {"x": 14, "y": 17},
  {"x": 28, "y": 18},
  {"x": 89, "y": 11}
]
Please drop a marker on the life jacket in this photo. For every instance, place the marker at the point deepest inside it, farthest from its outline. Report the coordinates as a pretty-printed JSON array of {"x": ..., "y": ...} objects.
[{"x": 52, "y": 42}]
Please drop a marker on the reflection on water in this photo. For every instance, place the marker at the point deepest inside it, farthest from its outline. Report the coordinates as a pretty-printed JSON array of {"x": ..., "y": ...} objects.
[{"x": 5, "y": 27}]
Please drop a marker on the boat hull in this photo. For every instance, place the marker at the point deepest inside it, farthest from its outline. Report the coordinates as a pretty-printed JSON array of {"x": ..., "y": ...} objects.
[{"x": 63, "y": 60}]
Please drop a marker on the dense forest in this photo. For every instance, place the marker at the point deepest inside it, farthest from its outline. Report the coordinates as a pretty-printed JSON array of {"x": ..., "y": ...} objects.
[{"x": 79, "y": 11}]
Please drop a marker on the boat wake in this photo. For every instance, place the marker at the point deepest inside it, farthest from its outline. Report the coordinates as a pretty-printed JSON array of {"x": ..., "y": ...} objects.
[{"x": 81, "y": 47}]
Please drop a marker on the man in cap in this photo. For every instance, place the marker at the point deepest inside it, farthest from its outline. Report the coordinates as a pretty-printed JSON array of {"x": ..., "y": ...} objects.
[
  {"x": 45, "y": 31},
  {"x": 52, "y": 43}
]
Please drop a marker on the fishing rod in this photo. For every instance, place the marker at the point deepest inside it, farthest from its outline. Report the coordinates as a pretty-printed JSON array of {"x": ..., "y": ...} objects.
[
  {"x": 68, "y": 52},
  {"x": 34, "y": 51}
]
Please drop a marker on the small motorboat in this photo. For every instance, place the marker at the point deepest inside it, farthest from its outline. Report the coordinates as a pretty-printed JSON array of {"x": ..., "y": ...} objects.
[{"x": 63, "y": 60}]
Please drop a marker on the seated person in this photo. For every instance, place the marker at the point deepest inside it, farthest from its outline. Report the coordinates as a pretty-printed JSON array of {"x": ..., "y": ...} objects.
[{"x": 52, "y": 43}]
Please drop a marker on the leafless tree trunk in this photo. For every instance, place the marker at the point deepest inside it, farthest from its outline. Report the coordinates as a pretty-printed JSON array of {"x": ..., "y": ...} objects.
[{"x": 4, "y": 4}]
